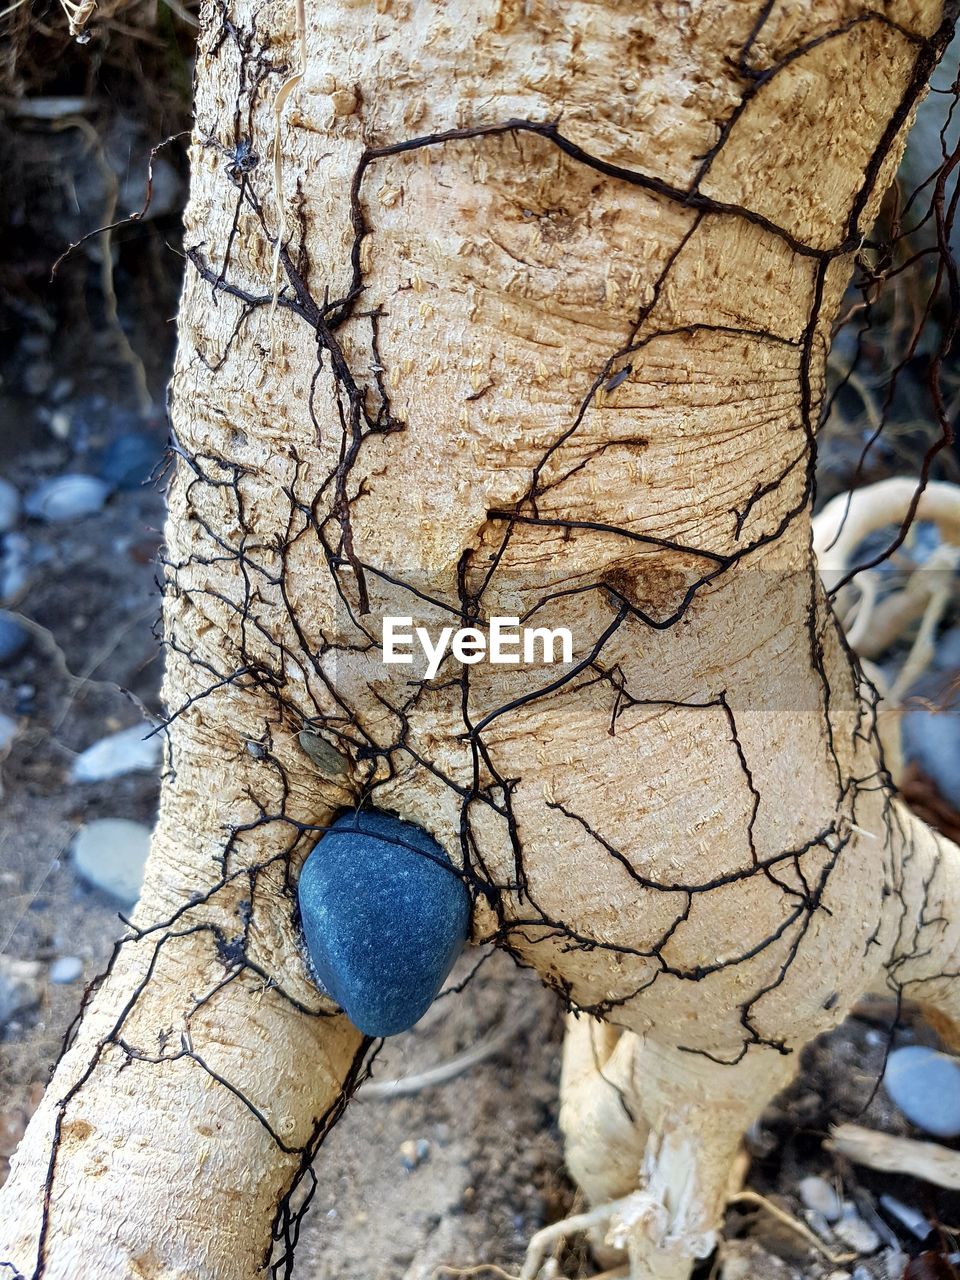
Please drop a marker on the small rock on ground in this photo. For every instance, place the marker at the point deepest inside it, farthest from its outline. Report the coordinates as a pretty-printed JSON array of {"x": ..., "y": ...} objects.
[
  {"x": 856, "y": 1233},
  {"x": 8, "y": 731},
  {"x": 128, "y": 751},
  {"x": 14, "y": 638},
  {"x": 110, "y": 854},
  {"x": 66, "y": 497},
  {"x": 746, "y": 1260},
  {"x": 127, "y": 462},
  {"x": 9, "y": 506},
  {"x": 14, "y": 567},
  {"x": 925, "y": 1085},
  {"x": 19, "y": 987},
  {"x": 65, "y": 970}
]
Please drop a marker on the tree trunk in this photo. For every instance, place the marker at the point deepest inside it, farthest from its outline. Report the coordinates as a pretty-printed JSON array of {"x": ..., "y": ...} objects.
[{"x": 545, "y": 338}]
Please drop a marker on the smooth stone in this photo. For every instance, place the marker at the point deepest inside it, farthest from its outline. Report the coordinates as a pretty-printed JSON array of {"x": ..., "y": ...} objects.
[
  {"x": 893, "y": 1260},
  {"x": 128, "y": 751},
  {"x": 14, "y": 567},
  {"x": 127, "y": 462},
  {"x": 932, "y": 741},
  {"x": 110, "y": 854},
  {"x": 818, "y": 1196},
  {"x": 67, "y": 497},
  {"x": 65, "y": 970},
  {"x": 925, "y": 1086},
  {"x": 9, "y": 506},
  {"x": 14, "y": 638},
  {"x": 19, "y": 987},
  {"x": 34, "y": 344},
  {"x": 384, "y": 917},
  {"x": 946, "y": 656}
]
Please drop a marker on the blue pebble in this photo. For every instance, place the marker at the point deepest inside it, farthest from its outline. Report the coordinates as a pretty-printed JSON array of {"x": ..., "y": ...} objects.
[
  {"x": 13, "y": 638},
  {"x": 128, "y": 461},
  {"x": 384, "y": 916},
  {"x": 925, "y": 1085}
]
